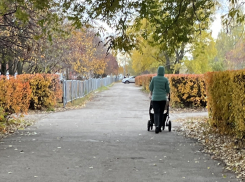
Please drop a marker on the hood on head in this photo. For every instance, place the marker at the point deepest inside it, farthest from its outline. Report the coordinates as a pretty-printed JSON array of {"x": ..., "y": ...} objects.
[{"x": 160, "y": 71}]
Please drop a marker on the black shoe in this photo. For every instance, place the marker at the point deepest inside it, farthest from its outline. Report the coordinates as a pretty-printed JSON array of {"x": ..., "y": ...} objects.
[
  {"x": 160, "y": 129},
  {"x": 157, "y": 130}
]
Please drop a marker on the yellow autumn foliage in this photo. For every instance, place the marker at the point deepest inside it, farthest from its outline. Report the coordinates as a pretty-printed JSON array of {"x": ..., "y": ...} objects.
[
  {"x": 83, "y": 56},
  {"x": 186, "y": 89},
  {"x": 226, "y": 98},
  {"x": 14, "y": 94},
  {"x": 45, "y": 90}
]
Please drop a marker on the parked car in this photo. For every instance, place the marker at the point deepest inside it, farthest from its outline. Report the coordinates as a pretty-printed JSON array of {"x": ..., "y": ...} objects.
[{"x": 131, "y": 79}]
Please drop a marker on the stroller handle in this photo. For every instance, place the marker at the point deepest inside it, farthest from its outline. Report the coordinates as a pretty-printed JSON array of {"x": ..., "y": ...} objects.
[{"x": 168, "y": 97}]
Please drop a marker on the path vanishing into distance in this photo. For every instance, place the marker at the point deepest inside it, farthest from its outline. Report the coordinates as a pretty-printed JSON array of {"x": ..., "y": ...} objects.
[{"x": 106, "y": 141}]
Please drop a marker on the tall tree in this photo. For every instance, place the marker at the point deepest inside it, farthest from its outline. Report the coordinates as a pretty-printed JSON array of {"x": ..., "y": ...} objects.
[
  {"x": 148, "y": 54},
  {"x": 235, "y": 59},
  {"x": 83, "y": 56},
  {"x": 146, "y": 59},
  {"x": 226, "y": 42},
  {"x": 173, "y": 22},
  {"x": 111, "y": 65},
  {"x": 21, "y": 23},
  {"x": 203, "y": 52}
]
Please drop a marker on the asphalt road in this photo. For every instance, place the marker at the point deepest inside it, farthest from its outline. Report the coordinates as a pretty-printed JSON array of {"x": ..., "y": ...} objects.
[{"x": 106, "y": 141}]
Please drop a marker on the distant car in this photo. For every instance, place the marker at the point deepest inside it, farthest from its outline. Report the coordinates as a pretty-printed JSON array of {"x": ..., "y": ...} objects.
[{"x": 131, "y": 79}]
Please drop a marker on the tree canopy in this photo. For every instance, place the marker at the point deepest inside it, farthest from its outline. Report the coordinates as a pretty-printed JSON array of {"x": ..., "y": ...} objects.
[
  {"x": 203, "y": 52},
  {"x": 26, "y": 24},
  {"x": 173, "y": 19}
]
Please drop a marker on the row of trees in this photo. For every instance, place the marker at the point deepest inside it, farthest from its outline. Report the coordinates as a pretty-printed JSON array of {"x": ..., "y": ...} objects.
[
  {"x": 171, "y": 27},
  {"x": 34, "y": 41},
  {"x": 224, "y": 53},
  {"x": 201, "y": 53}
]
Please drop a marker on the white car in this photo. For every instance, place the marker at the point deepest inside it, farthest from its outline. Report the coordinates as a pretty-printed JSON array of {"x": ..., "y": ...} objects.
[{"x": 131, "y": 79}]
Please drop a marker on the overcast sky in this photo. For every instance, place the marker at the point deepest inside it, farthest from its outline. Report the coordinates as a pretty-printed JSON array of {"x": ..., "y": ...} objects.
[{"x": 216, "y": 26}]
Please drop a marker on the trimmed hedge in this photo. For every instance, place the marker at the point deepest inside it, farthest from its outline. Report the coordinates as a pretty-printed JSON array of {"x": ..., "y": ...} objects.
[
  {"x": 14, "y": 95},
  {"x": 46, "y": 89},
  {"x": 144, "y": 80},
  {"x": 223, "y": 92},
  {"x": 185, "y": 89},
  {"x": 226, "y": 101},
  {"x": 18, "y": 94}
]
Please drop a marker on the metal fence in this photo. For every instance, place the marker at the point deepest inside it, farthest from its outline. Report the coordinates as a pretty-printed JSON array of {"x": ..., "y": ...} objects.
[{"x": 75, "y": 89}]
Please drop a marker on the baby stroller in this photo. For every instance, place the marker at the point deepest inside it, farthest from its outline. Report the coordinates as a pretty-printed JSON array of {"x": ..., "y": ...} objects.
[{"x": 166, "y": 121}]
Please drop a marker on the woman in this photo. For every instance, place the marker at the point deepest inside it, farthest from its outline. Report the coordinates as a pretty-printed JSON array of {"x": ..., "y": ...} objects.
[{"x": 159, "y": 88}]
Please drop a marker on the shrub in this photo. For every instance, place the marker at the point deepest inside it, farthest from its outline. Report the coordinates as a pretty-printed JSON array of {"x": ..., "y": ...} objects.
[
  {"x": 18, "y": 94},
  {"x": 2, "y": 115},
  {"x": 226, "y": 101},
  {"x": 14, "y": 95},
  {"x": 46, "y": 89},
  {"x": 186, "y": 90}
]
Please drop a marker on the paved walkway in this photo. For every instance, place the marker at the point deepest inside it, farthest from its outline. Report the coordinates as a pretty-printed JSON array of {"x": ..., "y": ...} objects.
[{"x": 106, "y": 141}]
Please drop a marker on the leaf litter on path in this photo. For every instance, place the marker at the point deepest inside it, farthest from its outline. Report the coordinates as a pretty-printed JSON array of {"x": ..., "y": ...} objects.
[{"x": 222, "y": 147}]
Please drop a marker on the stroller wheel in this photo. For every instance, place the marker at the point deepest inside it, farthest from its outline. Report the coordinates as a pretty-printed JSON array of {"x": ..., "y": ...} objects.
[
  {"x": 169, "y": 126},
  {"x": 148, "y": 125},
  {"x": 163, "y": 126}
]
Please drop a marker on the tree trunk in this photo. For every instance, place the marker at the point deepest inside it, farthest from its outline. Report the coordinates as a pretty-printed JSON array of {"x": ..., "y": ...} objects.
[
  {"x": 179, "y": 56},
  {"x": 11, "y": 67},
  {"x": 67, "y": 73},
  {"x": 19, "y": 68},
  {"x": 3, "y": 66},
  {"x": 177, "y": 71},
  {"x": 168, "y": 64}
]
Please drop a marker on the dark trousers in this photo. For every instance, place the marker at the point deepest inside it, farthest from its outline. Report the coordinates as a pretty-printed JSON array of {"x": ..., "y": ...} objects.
[{"x": 158, "y": 107}]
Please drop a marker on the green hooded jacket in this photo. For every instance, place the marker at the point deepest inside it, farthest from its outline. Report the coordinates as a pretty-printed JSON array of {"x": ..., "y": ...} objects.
[{"x": 159, "y": 86}]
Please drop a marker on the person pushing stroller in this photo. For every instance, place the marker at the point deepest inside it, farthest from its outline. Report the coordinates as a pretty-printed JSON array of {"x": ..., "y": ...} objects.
[{"x": 159, "y": 89}]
